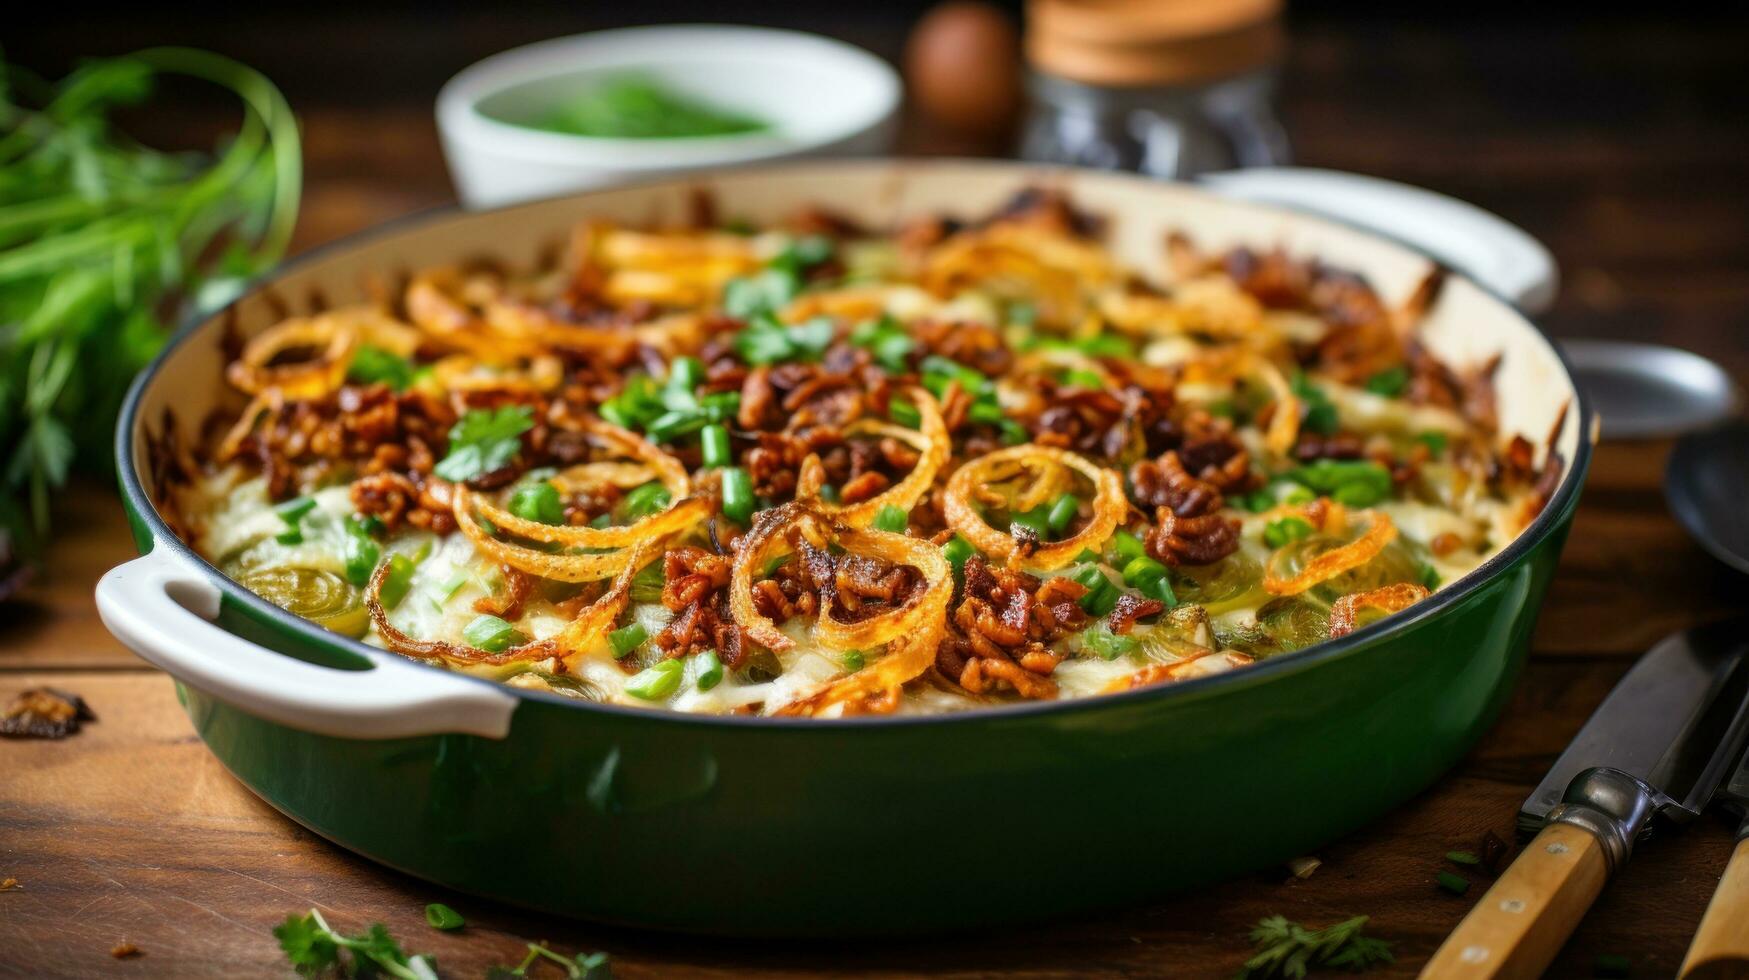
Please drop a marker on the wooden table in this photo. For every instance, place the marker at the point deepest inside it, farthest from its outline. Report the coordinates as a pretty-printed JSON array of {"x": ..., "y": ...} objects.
[{"x": 1600, "y": 141}]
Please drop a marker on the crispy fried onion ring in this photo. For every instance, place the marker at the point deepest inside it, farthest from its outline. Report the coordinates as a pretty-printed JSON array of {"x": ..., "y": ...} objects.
[
  {"x": 465, "y": 372},
  {"x": 930, "y": 439},
  {"x": 963, "y": 488},
  {"x": 913, "y": 630},
  {"x": 683, "y": 514},
  {"x": 1196, "y": 664},
  {"x": 576, "y": 638},
  {"x": 254, "y": 371},
  {"x": 268, "y": 403},
  {"x": 1379, "y": 532},
  {"x": 1391, "y": 598},
  {"x": 1284, "y": 424}
]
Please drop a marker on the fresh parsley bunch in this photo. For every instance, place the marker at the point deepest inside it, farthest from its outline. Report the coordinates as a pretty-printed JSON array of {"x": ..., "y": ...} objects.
[
  {"x": 104, "y": 243},
  {"x": 315, "y": 950},
  {"x": 1288, "y": 949}
]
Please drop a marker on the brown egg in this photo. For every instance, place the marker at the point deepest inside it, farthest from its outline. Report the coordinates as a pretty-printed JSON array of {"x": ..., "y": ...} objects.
[{"x": 963, "y": 67}]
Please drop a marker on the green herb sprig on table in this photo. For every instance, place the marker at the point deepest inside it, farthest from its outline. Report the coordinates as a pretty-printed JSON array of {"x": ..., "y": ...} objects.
[
  {"x": 104, "y": 243},
  {"x": 583, "y": 966},
  {"x": 315, "y": 949},
  {"x": 1289, "y": 950}
]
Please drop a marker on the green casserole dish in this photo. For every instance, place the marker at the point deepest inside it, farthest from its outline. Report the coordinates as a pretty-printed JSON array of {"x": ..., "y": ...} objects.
[{"x": 868, "y": 825}]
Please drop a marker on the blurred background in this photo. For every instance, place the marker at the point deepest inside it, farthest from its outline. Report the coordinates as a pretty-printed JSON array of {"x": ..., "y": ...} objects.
[{"x": 1620, "y": 138}]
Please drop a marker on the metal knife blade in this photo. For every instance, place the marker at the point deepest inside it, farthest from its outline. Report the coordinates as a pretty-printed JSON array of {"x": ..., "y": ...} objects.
[
  {"x": 1735, "y": 792},
  {"x": 1676, "y": 722}
]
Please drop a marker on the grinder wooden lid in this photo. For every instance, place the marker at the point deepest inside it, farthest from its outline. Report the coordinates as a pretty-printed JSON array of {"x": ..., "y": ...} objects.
[{"x": 1133, "y": 43}]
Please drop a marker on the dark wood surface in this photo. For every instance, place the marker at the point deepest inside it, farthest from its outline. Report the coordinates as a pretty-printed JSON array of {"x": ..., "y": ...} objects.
[{"x": 1622, "y": 146}]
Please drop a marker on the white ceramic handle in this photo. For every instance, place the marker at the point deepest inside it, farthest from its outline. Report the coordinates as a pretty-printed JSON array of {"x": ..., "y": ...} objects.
[
  {"x": 1499, "y": 255},
  {"x": 162, "y": 607}
]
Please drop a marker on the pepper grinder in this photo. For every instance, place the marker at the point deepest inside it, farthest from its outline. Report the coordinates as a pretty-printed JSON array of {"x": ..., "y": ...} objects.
[{"x": 1167, "y": 88}]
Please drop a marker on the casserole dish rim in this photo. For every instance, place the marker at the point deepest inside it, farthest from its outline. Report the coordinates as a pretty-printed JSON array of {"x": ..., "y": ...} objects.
[{"x": 141, "y": 506}]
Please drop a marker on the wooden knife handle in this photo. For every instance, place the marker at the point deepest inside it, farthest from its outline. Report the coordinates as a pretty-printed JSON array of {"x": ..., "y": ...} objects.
[
  {"x": 1520, "y": 924},
  {"x": 1721, "y": 945}
]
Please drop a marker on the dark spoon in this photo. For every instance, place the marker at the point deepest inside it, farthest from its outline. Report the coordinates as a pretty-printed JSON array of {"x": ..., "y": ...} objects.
[{"x": 1707, "y": 485}]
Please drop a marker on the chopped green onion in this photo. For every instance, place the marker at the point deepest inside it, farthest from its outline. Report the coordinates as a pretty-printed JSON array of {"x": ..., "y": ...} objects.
[
  {"x": 538, "y": 502},
  {"x": 721, "y": 405},
  {"x": 647, "y": 583},
  {"x": 853, "y": 661},
  {"x": 1389, "y": 382},
  {"x": 989, "y": 413},
  {"x": 1429, "y": 576},
  {"x": 396, "y": 581},
  {"x": 1256, "y": 503},
  {"x": 441, "y": 916},
  {"x": 904, "y": 413},
  {"x": 1278, "y": 533},
  {"x": 1350, "y": 482},
  {"x": 738, "y": 503},
  {"x": 290, "y": 536},
  {"x": 1082, "y": 378},
  {"x": 657, "y": 681},
  {"x": 773, "y": 565},
  {"x": 360, "y": 552},
  {"x": 491, "y": 634},
  {"x": 714, "y": 441},
  {"x": 939, "y": 372},
  {"x": 710, "y": 670},
  {"x": 1062, "y": 513},
  {"x": 293, "y": 510},
  {"x": 671, "y": 425},
  {"x": 891, "y": 519},
  {"x": 601, "y": 522},
  {"x": 627, "y": 638},
  {"x": 452, "y": 585},
  {"x": 1013, "y": 433},
  {"x": 1141, "y": 570},
  {"x": 1036, "y": 520},
  {"x": 1101, "y": 595},
  {"x": 1435, "y": 441},
  {"x": 1320, "y": 414},
  {"x": 1462, "y": 857},
  {"x": 685, "y": 373},
  {"x": 1298, "y": 495},
  {"x": 957, "y": 550},
  {"x": 644, "y": 500},
  {"x": 1456, "y": 884},
  {"x": 1150, "y": 578},
  {"x": 1098, "y": 639},
  {"x": 1127, "y": 546},
  {"x": 1021, "y": 313}
]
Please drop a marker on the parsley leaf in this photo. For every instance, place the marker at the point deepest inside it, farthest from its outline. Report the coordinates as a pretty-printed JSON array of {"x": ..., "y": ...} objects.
[
  {"x": 767, "y": 341},
  {"x": 373, "y": 364},
  {"x": 484, "y": 440},
  {"x": 1289, "y": 950},
  {"x": 308, "y": 946},
  {"x": 584, "y": 966},
  {"x": 314, "y": 948}
]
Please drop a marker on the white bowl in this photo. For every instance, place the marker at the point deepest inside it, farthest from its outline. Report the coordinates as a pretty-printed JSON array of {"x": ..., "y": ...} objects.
[{"x": 822, "y": 98}]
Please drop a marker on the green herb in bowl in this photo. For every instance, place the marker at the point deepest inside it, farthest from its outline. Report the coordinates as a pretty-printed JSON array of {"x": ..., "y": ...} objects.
[{"x": 639, "y": 107}]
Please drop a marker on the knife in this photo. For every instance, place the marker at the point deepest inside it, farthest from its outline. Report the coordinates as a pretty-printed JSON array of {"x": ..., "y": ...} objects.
[
  {"x": 1721, "y": 944},
  {"x": 1660, "y": 744}
]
